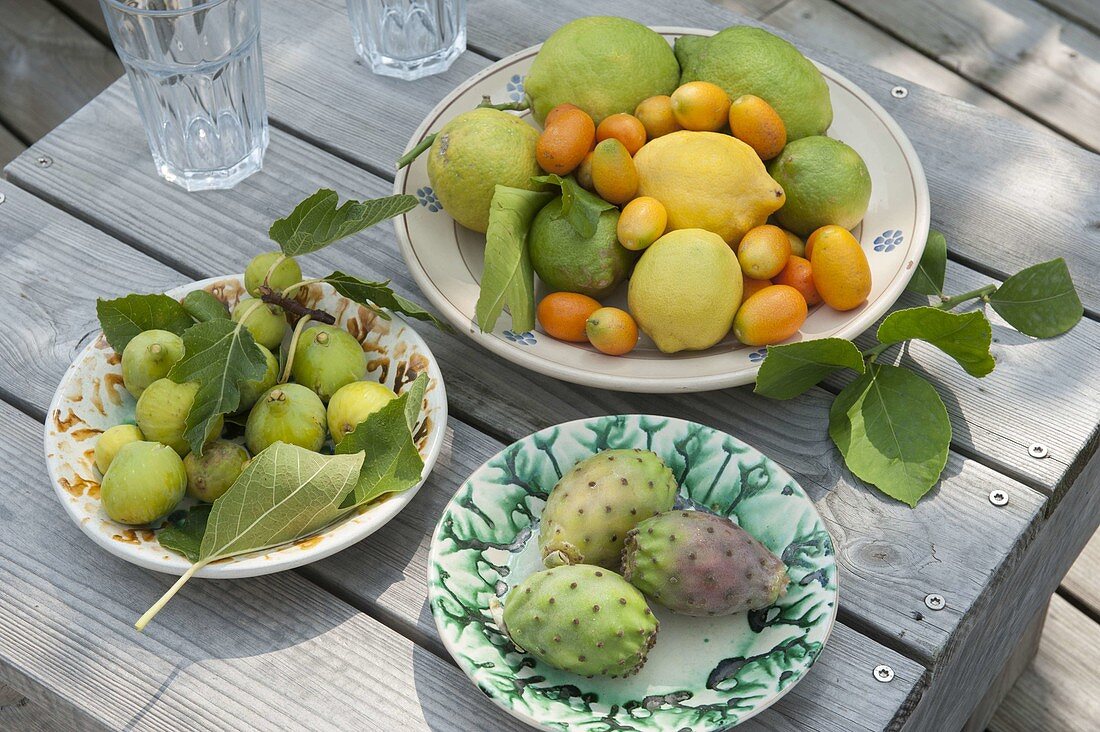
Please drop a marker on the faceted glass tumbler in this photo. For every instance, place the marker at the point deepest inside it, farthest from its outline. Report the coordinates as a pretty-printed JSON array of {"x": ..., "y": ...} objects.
[
  {"x": 197, "y": 76},
  {"x": 408, "y": 39}
]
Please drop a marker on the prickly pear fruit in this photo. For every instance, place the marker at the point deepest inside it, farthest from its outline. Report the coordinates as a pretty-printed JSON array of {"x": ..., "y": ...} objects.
[
  {"x": 583, "y": 619},
  {"x": 697, "y": 563},
  {"x": 601, "y": 498}
]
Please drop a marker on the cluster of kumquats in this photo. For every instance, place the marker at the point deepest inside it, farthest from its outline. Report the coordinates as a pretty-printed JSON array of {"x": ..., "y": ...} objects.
[{"x": 782, "y": 276}]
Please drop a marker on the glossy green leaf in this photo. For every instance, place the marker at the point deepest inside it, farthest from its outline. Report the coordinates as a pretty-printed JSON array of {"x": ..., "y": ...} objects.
[
  {"x": 508, "y": 278},
  {"x": 1039, "y": 301},
  {"x": 964, "y": 337},
  {"x": 377, "y": 295},
  {"x": 892, "y": 429},
  {"x": 125, "y": 317},
  {"x": 580, "y": 208},
  {"x": 928, "y": 279},
  {"x": 791, "y": 369},
  {"x": 219, "y": 355},
  {"x": 185, "y": 534},
  {"x": 393, "y": 463},
  {"x": 317, "y": 221}
]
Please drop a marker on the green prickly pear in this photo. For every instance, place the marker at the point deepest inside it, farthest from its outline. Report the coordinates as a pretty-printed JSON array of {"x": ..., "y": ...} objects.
[
  {"x": 596, "y": 502},
  {"x": 581, "y": 618},
  {"x": 696, "y": 563}
]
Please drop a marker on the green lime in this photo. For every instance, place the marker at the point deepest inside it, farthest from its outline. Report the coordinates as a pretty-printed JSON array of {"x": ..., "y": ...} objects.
[
  {"x": 565, "y": 261},
  {"x": 826, "y": 182},
  {"x": 746, "y": 60},
  {"x": 475, "y": 152},
  {"x": 601, "y": 64}
]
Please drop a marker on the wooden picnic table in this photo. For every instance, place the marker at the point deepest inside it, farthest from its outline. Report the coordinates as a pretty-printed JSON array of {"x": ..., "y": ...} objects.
[{"x": 348, "y": 642}]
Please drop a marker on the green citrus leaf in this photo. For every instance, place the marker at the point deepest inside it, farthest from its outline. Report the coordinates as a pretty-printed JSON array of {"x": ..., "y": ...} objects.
[
  {"x": 393, "y": 463},
  {"x": 964, "y": 337},
  {"x": 125, "y": 317},
  {"x": 892, "y": 429},
  {"x": 1039, "y": 301},
  {"x": 286, "y": 492},
  {"x": 789, "y": 370},
  {"x": 377, "y": 295},
  {"x": 928, "y": 279},
  {"x": 219, "y": 355},
  {"x": 185, "y": 534},
  {"x": 317, "y": 222},
  {"x": 508, "y": 279},
  {"x": 580, "y": 208}
]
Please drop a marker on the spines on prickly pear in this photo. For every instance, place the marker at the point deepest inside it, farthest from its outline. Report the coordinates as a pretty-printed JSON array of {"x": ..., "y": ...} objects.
[
  {"x": 696, "y": 563},
  {"x": 581, "y": 618},
  {"x": 597, "y": 501}
]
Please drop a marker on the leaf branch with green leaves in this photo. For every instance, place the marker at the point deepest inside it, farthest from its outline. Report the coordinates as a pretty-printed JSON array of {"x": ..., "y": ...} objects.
[{"x": 889, "y": 423}]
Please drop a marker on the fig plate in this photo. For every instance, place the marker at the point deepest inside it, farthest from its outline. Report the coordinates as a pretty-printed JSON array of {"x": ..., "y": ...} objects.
[
  {"x": 447, "y": 260},
  {"x": 706, "y": 673},
  {"x": 91, "y": 398}
]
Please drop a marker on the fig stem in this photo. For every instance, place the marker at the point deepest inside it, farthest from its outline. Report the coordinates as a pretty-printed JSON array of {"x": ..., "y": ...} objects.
[
  {"x": 271, "y": 270},
  {"x": 293, "y": 347},
  {"x": 293, "y": 307},
  {"x": 159, "y": 604},
  {"x": 293, "y": 288}
]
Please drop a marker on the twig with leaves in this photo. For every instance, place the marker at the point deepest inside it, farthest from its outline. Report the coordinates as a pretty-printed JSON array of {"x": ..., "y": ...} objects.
[{"x": 889, "y": 423}]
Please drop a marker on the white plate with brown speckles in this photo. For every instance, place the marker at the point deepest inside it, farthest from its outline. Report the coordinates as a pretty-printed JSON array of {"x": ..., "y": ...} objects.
[{"x": 91, "y": 398}]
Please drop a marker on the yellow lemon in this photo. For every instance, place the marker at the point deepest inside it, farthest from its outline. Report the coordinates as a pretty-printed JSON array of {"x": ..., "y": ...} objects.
[{"x": 707, "y": 180}]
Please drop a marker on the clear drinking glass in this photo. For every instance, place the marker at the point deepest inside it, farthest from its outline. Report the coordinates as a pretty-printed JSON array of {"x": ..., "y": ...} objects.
[
  {"x": 408, "y": 39},
  {"x": 198, "y": 79}
]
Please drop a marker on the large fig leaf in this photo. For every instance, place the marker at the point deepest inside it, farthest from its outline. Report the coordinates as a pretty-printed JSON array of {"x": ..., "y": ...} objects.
[
  {"x": 125, "y": 317},
  {"x": 316, "y": 222},
  {"x": 377, "y": 295},
  {"x": 219, "y": 355}
]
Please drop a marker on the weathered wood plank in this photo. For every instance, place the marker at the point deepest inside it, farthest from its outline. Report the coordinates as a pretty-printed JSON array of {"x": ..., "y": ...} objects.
[
  {"x": 49, "y": 66},
  {"x": 1083, "y": 578},
  {"x": 265, "y": 653},
  {"x": 18, "y": 714},
  {"x": 971, "y": 662},
  {"x": 1006, "y": 196},
  {"x": 1058, "y": 691},
  {"x": 1020, "y": 50},
  {"x": 10, "y": 146},
  {"x": 1020, "y": 659},
  {"x": 395, "y": 588},
  {"x": 89, "y": 13},
  {"x": 891, "y": 556},
  {"x": 1085, "y": 12},
  {"x": 824, "y": 24}
]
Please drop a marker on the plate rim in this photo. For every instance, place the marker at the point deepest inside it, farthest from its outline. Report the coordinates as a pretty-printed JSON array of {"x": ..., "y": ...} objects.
[
  {"x": 434, "y": 550},
  {"x": 667, "y": 383},
  {"x": 381, "y": 514}
]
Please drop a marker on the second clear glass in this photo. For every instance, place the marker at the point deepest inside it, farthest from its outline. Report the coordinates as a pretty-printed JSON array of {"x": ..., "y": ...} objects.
[
  {"x": 408, "y": 39},
  {"x": 197, "y": 76}
]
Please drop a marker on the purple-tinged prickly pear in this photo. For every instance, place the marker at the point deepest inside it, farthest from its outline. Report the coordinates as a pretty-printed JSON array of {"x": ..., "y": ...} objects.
[
  {"x": 596, "y": 502},
  {"x": 581, "y": 618},
  {"x": 697, "y": 563}
]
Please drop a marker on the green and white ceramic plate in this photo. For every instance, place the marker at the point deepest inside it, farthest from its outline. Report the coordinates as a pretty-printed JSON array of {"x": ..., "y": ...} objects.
[{"x": 704, "y": 673}]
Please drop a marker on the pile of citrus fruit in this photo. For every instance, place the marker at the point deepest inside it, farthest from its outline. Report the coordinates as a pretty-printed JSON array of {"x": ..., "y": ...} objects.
[{"x": 720, "y": 198}]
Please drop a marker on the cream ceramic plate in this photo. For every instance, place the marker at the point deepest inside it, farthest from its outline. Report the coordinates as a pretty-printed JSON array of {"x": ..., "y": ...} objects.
[
  {"x": 91, "y": 398},
  {"x": 447, "y": 260}
]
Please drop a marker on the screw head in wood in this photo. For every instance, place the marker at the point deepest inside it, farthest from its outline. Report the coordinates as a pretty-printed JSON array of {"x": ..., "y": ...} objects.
[
  {"x": 935, "y": 602},
  {"x": 899, "y": 92},
  {"x": 1037, "y": 450},
  {"x": 883, "y": 674},
  {"x": 43, "y": 161},
  {"x": 998, "y": 497},
  {"x": 2, "y": 198}
]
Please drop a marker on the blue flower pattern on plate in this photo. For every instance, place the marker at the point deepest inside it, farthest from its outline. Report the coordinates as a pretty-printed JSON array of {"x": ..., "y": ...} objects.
[
  {"x": 427, "y": 198},
  {"x": 888, "y": 240},
  {"x": 527, "y": 338},
  {"x": 515, "y": 88},
  {"x": 758, "y": 355}
]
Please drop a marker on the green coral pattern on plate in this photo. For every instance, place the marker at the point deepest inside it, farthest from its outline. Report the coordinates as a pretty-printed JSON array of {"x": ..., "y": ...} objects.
[{"x": 703, "y": 673}]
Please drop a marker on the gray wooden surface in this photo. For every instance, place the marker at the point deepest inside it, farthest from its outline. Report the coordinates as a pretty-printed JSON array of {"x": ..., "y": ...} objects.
[{"x": 345, "y": 133}]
